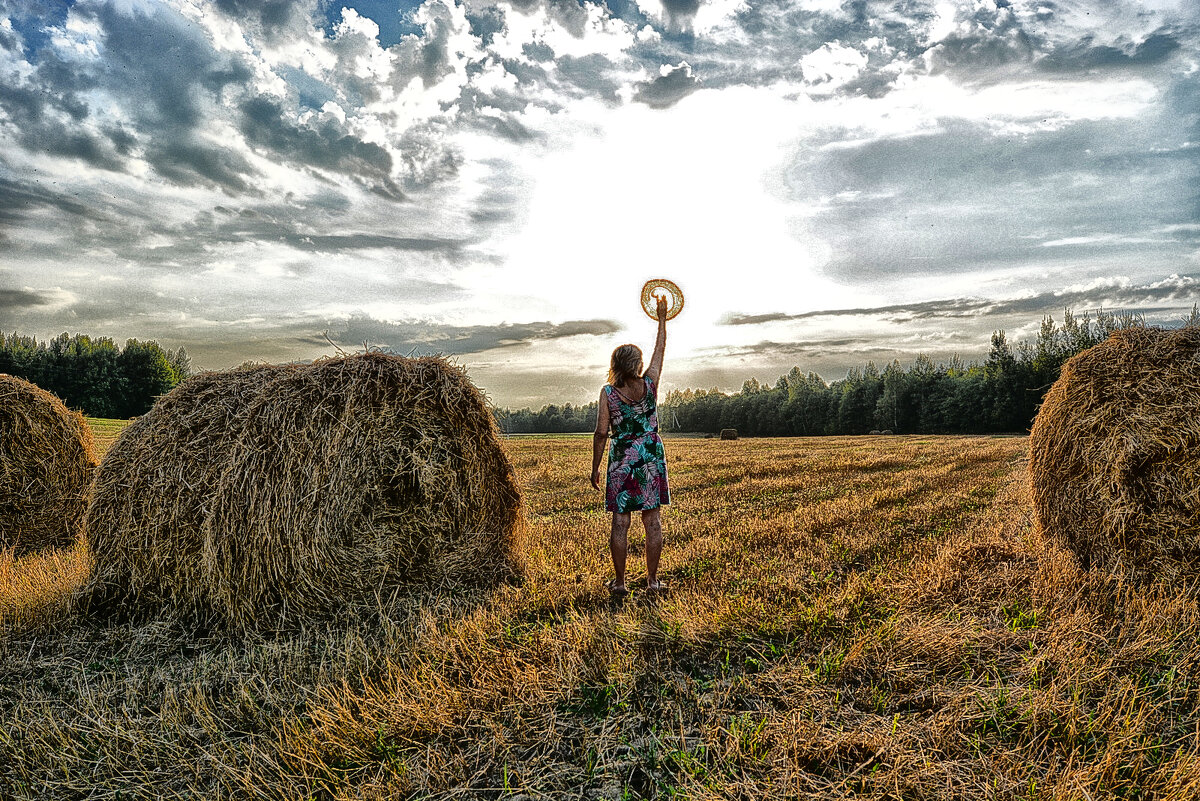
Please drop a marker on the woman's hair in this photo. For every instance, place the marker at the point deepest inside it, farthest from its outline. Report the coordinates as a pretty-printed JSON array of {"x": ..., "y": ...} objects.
[{"x": 626, "y": 365}]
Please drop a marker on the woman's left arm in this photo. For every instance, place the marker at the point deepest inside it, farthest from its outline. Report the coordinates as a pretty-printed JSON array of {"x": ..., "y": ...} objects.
[
  {"x": 599, "y": 438},
  {"x": 660, "y": 344}
]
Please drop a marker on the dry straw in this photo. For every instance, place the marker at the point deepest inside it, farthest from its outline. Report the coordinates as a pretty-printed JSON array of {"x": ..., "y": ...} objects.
[
  {"x": 283, "y": 493},
  {"x": 47, "y": 458},
  {"x": 1115, "y": 454},
  {"x": 156, "y": 485}
]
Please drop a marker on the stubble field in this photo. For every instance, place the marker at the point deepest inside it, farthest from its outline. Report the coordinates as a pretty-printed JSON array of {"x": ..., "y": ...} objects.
[{"x": 848, "y": 617}]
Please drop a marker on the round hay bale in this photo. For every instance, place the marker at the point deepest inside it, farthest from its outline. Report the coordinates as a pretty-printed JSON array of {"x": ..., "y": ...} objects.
[
  {"x": 1114, "y": 454},
  {"x": 47, "y": 458},
  {"x": 729, "y": 433},
  {"x": 326, "y": 486},
  {"x": 155, "y": 486}
]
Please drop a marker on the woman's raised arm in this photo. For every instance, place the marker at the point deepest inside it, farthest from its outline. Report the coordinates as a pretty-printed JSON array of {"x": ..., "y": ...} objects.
[{"x": 660, "y": 344}]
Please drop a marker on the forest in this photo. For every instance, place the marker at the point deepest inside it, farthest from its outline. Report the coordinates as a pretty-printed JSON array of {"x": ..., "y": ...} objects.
[
  {"x": 94, "y": 375},
  {"x": 1001, "y": 394}
]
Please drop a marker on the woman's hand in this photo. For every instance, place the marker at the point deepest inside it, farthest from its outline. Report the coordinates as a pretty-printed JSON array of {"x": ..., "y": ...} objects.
[
  {"x": 661, "y": 308},
  {"x": 596, "y": 478}
]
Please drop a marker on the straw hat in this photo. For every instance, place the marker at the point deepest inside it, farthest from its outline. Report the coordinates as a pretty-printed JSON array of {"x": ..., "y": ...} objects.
[{"x": 661, "y": 287}]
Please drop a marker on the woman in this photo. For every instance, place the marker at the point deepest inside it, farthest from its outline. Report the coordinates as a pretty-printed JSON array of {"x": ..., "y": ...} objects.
[{"x": 637, "y": 465}]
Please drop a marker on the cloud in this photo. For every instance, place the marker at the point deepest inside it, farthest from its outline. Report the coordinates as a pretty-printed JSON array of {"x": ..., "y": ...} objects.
[
  {"x": 272, "y": 15},
  {"x": 1088, "y": 55},
  {"x": 845, "y": 345},
  {"x": 19, "y": 200},
  {"x": 324, "y": 145},
  {"x": 1175, "y": 291},
  {"x": 680, "y": 13},
  {"x": 252, "y": 171},
  {"x": 832, "y": 65},
  {"x": 672, "y": 85},
  {"x": 972, "y": 192},
  {"x": 429, "y": 337},
  {"x": 15, "y": 300},
  {"x": 334, "y": 243}
]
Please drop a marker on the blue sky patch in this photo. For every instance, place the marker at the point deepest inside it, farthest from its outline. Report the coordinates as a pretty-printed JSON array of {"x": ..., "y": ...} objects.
[
  {"x": 35, "y": 20},
  {"x": 394, "y": 17}
]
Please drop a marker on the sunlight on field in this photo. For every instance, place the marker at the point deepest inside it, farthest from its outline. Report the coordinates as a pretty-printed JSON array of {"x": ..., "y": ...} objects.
[
  {"x": 34, "y": 588},
  {"x": 105, "y": 432},
  {"x": 866, "y": 616}
]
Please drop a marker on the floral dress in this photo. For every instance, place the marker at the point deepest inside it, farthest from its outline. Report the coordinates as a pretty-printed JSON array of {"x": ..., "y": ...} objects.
[{"x": 637, "y": 464}]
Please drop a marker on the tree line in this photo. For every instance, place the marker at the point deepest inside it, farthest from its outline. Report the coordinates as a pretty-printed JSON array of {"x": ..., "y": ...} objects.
[
  {"x": 94, "y": 375},
  {"x": 1001, "y": 394}
]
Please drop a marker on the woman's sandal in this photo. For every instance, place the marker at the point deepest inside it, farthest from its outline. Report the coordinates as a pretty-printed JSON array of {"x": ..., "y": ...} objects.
[
  {"x": 611, "y": 586},
  {"x": 659, "y": 587}
]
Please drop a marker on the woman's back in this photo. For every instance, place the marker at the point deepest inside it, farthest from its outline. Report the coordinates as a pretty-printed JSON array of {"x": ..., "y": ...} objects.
[{"x": 631, "y": 417}]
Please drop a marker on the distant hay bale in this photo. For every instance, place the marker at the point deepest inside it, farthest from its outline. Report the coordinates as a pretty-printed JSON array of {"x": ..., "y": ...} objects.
[
  {"x": 887, "y": 432},
  {"x": 729, "y": 433},
  {"x": 1115, "y": 454},
  {"x": 47, "y": 458},
  {"x": 285, "y": 493},
  {"x": 875, "y": 432}
]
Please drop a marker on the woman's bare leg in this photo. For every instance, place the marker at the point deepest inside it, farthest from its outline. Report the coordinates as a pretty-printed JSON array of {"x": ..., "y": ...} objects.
[
  {"x": 618, "y": 543},
  {"x": 652, "y": 522}
]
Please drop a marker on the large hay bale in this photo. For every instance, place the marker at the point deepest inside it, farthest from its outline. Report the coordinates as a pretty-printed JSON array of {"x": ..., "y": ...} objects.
[
  {"x": 729, "y": 433},
  {"x": 155, "y": 487},
  {"x": 47, "y": 458},
  {"x": 322, "y": 486},
  {"x": 1115, "y": 453}
]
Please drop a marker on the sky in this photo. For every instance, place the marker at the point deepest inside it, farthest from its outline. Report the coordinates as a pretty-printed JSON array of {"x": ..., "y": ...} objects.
[{"x": 828, "y": 182}]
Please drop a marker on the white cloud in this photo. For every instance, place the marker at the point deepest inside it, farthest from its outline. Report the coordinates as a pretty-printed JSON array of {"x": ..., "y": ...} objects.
[
  {"x": 831, "y": 66},
  {"x": 560, "y": 194},
  {"x": 600, "y": 34}
]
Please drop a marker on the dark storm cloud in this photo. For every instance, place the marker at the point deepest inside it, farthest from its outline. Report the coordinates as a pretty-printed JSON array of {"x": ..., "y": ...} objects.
[
  {"x": 266, "y": 125},
  {"x": 457, "y": 340},
  {"x": 857, "y": 345},
  {"x": 983, "y": 42},
  {"x": 1088, "y": 55},
  {"x": 588, "y": 76},
  {"x": 485, "y": 23},
  {"x": 331, "y": 243},
  {"x": 505, "y": 126},
  {"x": 1177, "y": 291},
  {"x": 46, "y": 113},
  {"x": 172, "y": 82},
  {"x": 15, "y": 300},
  {"x": 296, "y": 225},
  {"x": 18, "y": 199},
  {"x": 668, "y": 88},
  {"x": 272, "y": 15},
  {"x": 680, "y": 13},
  {"x": 538, "y": 51},
  {"x": 168, "y": 68}
]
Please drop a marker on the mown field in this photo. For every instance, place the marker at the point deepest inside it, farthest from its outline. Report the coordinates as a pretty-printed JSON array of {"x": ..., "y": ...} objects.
[{"x": 849, "y": 617}]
